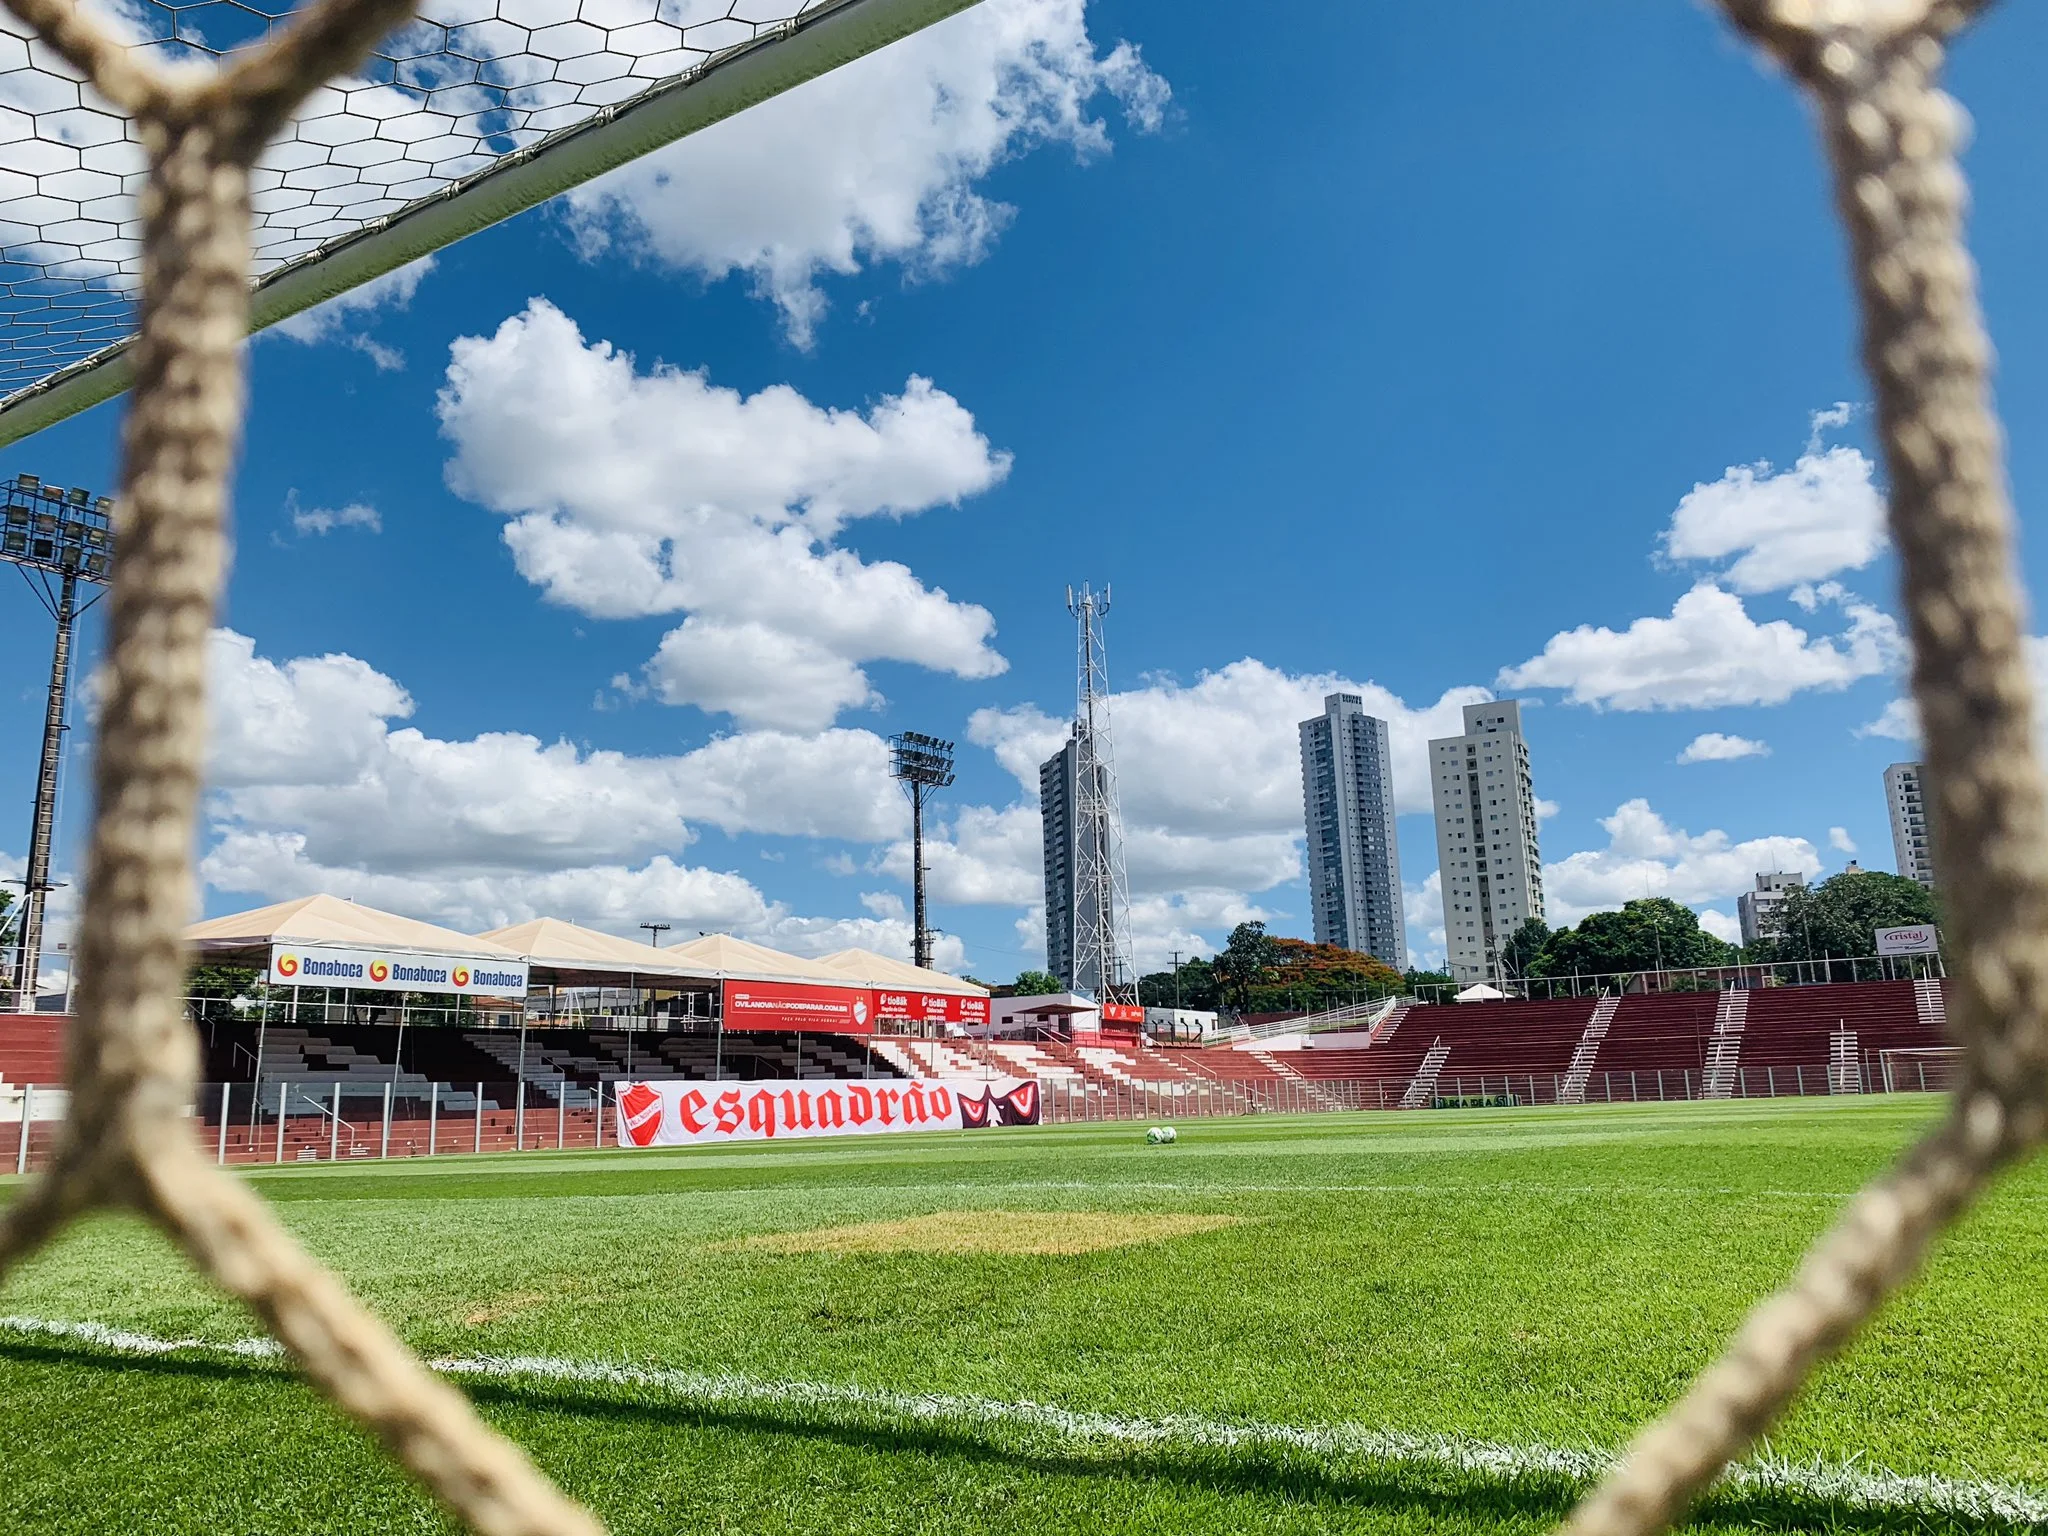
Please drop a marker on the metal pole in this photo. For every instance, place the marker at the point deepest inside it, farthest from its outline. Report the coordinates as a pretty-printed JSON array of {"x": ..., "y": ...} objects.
[
  {"x": 385, "y": 1149},
  {"x": 220, "y": 1155},
  {"x": 28, "y": 1118},
  {"x": 283, "y": 1089},
  {"x": 36, "y": 878},
  {"x": 334, "y": 1127},
  {"x": 433, "y": 1117},
  {"x": 479, "y": 1117},
  {"x": 562, "y": 1117},
  {"x": 920, "y": 936},
  {"x": 519, "y": 1116}
]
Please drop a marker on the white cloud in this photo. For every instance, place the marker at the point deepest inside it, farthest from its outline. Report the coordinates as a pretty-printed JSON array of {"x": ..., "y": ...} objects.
[
  {"x": 1646, "y": 857},
  {"x": 1822, "y": 516},
  {"x": 1709, "y": 653},
  {"x": 1422, "y": 907},
  {"x": 1209, "y": 781},
  {"x": 876, "y": 161},
  {"x": 1898, "y": 721},
  {"x": 1840, "y": 840},
  {"x": 324, "y": 520},
  {"x": 634, "y": 494},
  {"x": 335, "y": 319},
  {"x": 1722, "y": 925},
  {"x": 1713, "y": 747},
  {"x": 313, "y": 788}
]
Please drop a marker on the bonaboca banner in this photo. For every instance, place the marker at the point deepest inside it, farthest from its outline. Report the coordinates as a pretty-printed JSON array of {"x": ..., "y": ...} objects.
[
  {"x": 689, "y": 1114},
  {"x": 376, "y": 970}
]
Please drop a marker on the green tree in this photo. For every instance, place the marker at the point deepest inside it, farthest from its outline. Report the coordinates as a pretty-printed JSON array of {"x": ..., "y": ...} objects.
[
  {"x": 1652, "y": 934},
  {"x": 1839, "y": 917},
  {"x": 1034, "y": 984},
  {"x": 1523, "y": 946},
  {"x": 1195, "y": 987},
  {"x": 1243, "y": 963}
]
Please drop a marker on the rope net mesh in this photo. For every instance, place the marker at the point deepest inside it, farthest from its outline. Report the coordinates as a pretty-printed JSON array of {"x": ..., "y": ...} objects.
[
  {"x": 1870, "y": 69},
  {"x": 448, "y": 96}
]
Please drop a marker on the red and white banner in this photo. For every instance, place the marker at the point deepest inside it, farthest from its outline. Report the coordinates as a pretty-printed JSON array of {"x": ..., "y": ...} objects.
[
  {"x": 826, "y": 1010},
  {"x": 686, "y": 1114},
  {"x": 1122, "y": 1013},
  {"x": 930, "y": 1007}
]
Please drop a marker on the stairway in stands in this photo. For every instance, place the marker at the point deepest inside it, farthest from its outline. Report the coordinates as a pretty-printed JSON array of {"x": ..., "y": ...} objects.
[
  {"x": 1422, "y": 1090},
  {"x": 1928, "y": 1005},
  {"x": 1844, "y": 1070},
  {"x": 1724, "y": 1051},
  {"x": 1573, "y": 1090},
  {"x": 1383, "y": 1031}
]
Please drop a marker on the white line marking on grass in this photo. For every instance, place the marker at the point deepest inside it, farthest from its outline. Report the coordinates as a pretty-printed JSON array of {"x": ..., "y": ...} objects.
[
  {"x": 1863, "y": 1487},
  {"x": 123, "y": 1342}
]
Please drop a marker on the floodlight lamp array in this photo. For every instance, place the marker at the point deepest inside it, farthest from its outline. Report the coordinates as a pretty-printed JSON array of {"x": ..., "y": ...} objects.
[
  {"x": 66, "y": 532},
  {"x": 920, "y": 759}
]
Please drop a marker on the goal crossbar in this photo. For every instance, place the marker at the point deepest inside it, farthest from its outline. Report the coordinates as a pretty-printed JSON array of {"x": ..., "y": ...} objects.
[{"x": 825, "y": 36}]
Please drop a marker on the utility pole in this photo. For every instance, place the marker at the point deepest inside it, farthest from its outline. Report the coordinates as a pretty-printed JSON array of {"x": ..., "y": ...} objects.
[
  {"x": 920, "y": 764},
  {"x": 654, "y": 933},
  {"x": 47, "y": 532}
]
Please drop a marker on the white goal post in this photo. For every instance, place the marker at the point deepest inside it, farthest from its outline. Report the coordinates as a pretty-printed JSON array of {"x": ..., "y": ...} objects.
[{"x": 51, "y": 279}]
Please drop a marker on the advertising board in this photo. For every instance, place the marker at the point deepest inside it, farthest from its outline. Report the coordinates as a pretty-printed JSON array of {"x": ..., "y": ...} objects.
[
  {"x": 826, "y": 1010},
  {"x": 930, "y": 1007},
  {"x": 1910, "y": 939},
  {"x": 689, "y": 1114},
  {"x": 377, "y": 970}
]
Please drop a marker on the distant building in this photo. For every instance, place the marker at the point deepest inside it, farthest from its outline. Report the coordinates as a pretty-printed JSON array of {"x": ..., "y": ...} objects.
[
  {"x": 1753, "y": 908},
  {"x": 1056, "y": 809},
  {"x": 1347, "y": 798},
  {"x": 1491, "y": 868},
  {"x": 1908, "y": 807}
]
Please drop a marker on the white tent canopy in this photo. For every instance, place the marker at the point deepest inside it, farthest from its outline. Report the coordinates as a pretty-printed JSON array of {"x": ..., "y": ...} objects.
[
  {"x": 312, "y": 921},
  {"x": 1480, "y": 993},
  {"x": 864, "y": 965},
  {"x": 568, "y": 954},
  {"x": 726, "y": 958}
]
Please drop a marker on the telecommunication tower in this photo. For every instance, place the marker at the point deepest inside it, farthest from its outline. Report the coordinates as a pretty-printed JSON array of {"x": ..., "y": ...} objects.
[
  {"x": 921, "y": 764},
  {"x": 1102, "y": 891},
  {"x": 56, "y": 538}
]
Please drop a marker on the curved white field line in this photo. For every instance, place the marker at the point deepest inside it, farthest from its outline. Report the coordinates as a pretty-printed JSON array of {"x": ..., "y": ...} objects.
[{"x": 1862, "y": 1487}]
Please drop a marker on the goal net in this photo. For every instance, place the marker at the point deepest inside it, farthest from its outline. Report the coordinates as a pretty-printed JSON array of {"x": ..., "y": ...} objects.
[
  {"x": 1920, "y": 1069},
  {"x": 476, "y": 111}
]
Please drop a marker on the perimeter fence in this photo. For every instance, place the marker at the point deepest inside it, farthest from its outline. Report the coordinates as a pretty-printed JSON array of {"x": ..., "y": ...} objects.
[{"x": 355, "y": 1121}]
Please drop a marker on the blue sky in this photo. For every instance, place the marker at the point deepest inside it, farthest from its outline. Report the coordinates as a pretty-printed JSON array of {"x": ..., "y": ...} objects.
[{"x": 583, "y": 572}]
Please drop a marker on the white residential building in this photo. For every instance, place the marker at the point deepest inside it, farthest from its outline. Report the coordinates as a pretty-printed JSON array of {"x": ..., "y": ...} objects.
[
  {"x": 1491, "y": 868},
  {"x": 1354, "y": 866},
  {"x": 1753, "y": 908},
  {"x": 1908, "y": 807}
]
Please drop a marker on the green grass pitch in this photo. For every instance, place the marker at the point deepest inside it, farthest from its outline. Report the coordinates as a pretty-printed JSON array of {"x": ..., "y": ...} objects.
[{"x": 1535, "y": 1280}]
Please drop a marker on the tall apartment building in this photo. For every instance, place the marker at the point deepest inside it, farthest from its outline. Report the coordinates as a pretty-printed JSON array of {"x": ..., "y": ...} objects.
[
  {"x": 1347, "y": 799},
  {"x": 1908, "y": 807},
  {"x": 1057, "y": 796},
  {"x": 1491, "y": 868},
  {"x": 1753, "y": 908}
]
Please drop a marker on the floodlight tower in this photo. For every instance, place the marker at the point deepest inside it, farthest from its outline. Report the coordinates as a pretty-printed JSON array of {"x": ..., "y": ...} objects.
[
  {"x": 1102, "y": 891},
  {"x": 921, "y": 764},
  {"x": 56, "y": 538}
]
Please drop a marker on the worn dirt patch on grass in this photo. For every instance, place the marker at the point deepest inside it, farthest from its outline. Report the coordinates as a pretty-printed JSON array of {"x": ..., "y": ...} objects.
[
  {"x": 1010, "y": 1232},
  {"x": 498, "y": 1308}
]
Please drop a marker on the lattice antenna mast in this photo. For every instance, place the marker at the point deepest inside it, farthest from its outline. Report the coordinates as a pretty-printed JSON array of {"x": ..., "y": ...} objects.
[{"x": 1102, "y": 892}]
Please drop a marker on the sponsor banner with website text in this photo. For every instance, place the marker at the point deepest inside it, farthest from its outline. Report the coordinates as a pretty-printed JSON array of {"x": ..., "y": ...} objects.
[
  {"x": 1912, "y": 939},
  {"x": 376, "y": 970},
  {"x": 826, "y": 1010},
  {"x": 688, "y": 1114}
]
